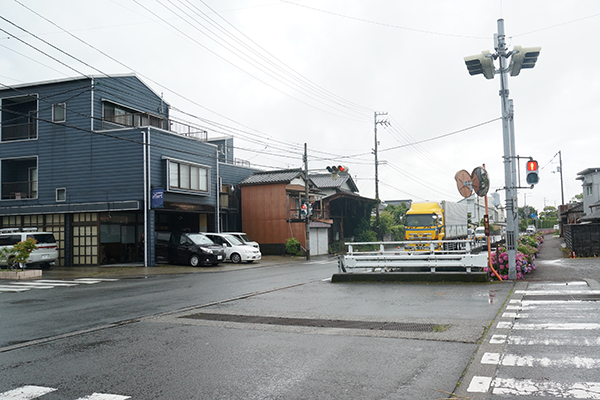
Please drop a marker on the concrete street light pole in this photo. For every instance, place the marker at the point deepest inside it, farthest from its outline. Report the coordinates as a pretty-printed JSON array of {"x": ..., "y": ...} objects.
[
  {"x": 483, "y": 63},
  {"x": 509, "y": 156}
]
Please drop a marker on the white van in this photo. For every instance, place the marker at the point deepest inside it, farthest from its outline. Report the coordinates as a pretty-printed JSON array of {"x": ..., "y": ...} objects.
[
  {"x": 235, "y": 250},
  {"x": 244, "y": 238},
  {"x": 46, "y": 253}
]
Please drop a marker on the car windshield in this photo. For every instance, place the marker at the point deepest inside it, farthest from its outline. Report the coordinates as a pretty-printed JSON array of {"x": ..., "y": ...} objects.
[
  {"x": 419, "y": 220},
  {"x": 200, "y": 239},
  {"x": 244, "y": 237},
  {"x": 233, "y": 240}
]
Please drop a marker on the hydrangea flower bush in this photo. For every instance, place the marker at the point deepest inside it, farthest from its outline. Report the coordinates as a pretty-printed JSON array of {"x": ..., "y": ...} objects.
[{"x": 527, "y": 249}]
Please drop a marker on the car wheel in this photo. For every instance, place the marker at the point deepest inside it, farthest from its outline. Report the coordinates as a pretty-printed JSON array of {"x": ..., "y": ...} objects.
[
  {"x": 12, "y": 264},
  {"x": 194, "y": 260},
  {"x": 235, "y": 258}
]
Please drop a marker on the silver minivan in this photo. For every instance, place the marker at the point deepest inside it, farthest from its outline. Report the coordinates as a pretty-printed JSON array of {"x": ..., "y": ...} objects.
[{"x": 46, "y": 253}]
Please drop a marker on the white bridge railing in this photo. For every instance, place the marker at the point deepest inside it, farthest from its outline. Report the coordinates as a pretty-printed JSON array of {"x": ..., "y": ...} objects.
[{"x": 442, "y": 256}]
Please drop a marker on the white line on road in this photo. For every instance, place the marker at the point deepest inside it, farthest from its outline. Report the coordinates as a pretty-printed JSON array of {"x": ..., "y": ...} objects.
[
  {"x": 556, "y": 327},
  {"x": 479, "y": 384},
  {"x": 33, "y": 392},
  {"x": 554, "y": 292},
  {"x": 513, "y": 360},
  {"x": 563, "y": 341},
  {"x": 103, "y": 396},
  {"x": 96, "y": 280},
  {"x": 8, "y": 288},
  {"x": 529, "y": 387},
  {"x": 26, "y": 393},
  {"x": 55, "y": 283},
  {"x": 32, "y": 285}
]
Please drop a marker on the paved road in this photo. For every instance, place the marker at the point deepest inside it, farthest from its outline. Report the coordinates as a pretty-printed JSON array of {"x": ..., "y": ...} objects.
[{"x": 283, "y": 331}]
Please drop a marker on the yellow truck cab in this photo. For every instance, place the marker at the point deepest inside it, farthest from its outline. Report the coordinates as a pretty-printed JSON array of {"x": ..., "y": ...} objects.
[{"x": 435, "y": 221}]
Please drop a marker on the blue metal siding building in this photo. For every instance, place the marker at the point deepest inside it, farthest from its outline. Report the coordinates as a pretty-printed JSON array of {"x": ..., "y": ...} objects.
[{"x": 82, "y": 158}]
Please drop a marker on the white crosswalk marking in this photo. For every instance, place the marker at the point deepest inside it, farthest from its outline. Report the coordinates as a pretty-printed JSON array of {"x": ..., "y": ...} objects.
[
  {"x": 22, "y": 286},
  {"x": 26, "y": 393},
  {"x": 547, "y": 347},
  {"x": 8, "y": 288},
  {"x": 529, "y": 387},
  {"x": 30, "y": 392},
  {"x": 103, "y": 396}
]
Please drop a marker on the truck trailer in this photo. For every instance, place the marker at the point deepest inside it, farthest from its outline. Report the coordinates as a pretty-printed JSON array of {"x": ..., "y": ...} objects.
[{"x": 444, "y": 220}]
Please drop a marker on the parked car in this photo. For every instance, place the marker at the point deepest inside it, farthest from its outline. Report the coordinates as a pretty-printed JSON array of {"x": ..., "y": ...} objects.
[
  {"x": 245, "y": 238},
  {"x": 530, "y": 230},
  {"x": 46, "y": 253},
  {"x": 235, "y": 250},
  {"x": 188, "y": 248}
]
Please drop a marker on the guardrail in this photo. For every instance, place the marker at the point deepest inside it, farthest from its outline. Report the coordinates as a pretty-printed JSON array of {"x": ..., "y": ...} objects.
[{"x": 395, "y": 257}]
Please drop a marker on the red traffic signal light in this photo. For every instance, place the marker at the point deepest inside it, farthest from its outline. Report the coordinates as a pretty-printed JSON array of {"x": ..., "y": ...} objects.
[
  {"x": 334, "y": 169},
  {"x": 532, "y": 172},
  {"x": 532, "y": 165}
]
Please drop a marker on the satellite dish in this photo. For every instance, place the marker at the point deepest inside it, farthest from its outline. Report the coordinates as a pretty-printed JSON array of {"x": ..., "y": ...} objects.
[
  {"x": 463, "y": 182},
  {"x": 495, "y": 199},
  {"x": 481, "y": 182}
]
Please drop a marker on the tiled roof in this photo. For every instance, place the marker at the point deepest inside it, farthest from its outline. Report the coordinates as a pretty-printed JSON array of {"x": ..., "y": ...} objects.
[
  {"x": 323, "y": 181},
  {"x": 280, "y": 176}
]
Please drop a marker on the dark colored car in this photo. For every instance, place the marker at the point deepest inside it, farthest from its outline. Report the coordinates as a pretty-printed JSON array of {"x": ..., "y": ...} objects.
[{"x": 188, "y": 248}]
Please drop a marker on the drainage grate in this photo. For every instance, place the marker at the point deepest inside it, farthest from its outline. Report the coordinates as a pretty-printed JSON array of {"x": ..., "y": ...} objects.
[
  {"x": 566, "y": 297},
  {"x": 321, "y": 323}
]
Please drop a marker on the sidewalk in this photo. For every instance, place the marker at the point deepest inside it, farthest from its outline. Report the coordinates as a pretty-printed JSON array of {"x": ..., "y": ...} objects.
[
  {"x": 137, "y": 269},
  {"x": 552, "y": 265}
]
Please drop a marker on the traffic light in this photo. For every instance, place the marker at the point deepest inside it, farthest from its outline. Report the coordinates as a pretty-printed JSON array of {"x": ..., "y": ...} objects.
[
  {"x": 481, "y": 64},
  {"x": 523, "y": 57},
  {"x": 532, "y": 172},
  {"x": 304, "y": 210},
  {"x": 335, "y": 170}
]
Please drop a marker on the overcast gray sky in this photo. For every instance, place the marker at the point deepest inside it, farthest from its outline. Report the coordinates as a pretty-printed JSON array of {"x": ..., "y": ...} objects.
[{"x": 278, "y": 74}]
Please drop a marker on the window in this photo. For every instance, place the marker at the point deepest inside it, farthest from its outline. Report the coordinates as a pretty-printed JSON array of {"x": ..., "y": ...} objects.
[
  {"x": 59, "y": 112},
  {"x": 19, "y": 178},
  {"x": 114, "y": 114},
  {"x": 61, "y": 194},
  {"x": 33, "y": 182},
  {"x": 188, "y": 177},
  {"x": 19, "y": 118},
  {"x": 588, "y": 190}
]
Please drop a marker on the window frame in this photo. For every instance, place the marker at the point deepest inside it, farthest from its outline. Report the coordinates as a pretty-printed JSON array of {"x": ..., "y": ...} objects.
[
  {"x": 63, "y": 106},
  {"x": 201, "y": 187},
  {"x": 32, "y": 118},
  {"x": 64, "y": 192}
]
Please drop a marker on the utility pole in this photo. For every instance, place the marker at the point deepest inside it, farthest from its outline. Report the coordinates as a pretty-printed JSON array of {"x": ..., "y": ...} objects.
[
  {"x": 386, "y": 123},
  {"x": 307, "y": 201},
  {"x": 562, "y": 192}
]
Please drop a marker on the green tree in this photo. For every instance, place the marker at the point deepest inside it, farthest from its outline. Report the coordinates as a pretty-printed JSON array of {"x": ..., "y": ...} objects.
[
  {"x": 549, "y": 212},
  {"x": 391, "y": 221}
]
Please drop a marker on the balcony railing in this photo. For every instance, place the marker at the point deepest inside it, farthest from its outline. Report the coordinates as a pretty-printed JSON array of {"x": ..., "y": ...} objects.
[
  {"x": 296, "y": 214},
  {"x": 19, "y": 131},
  {"x": 141, "y": 119},
  {"x": 19, "y": 190}
]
